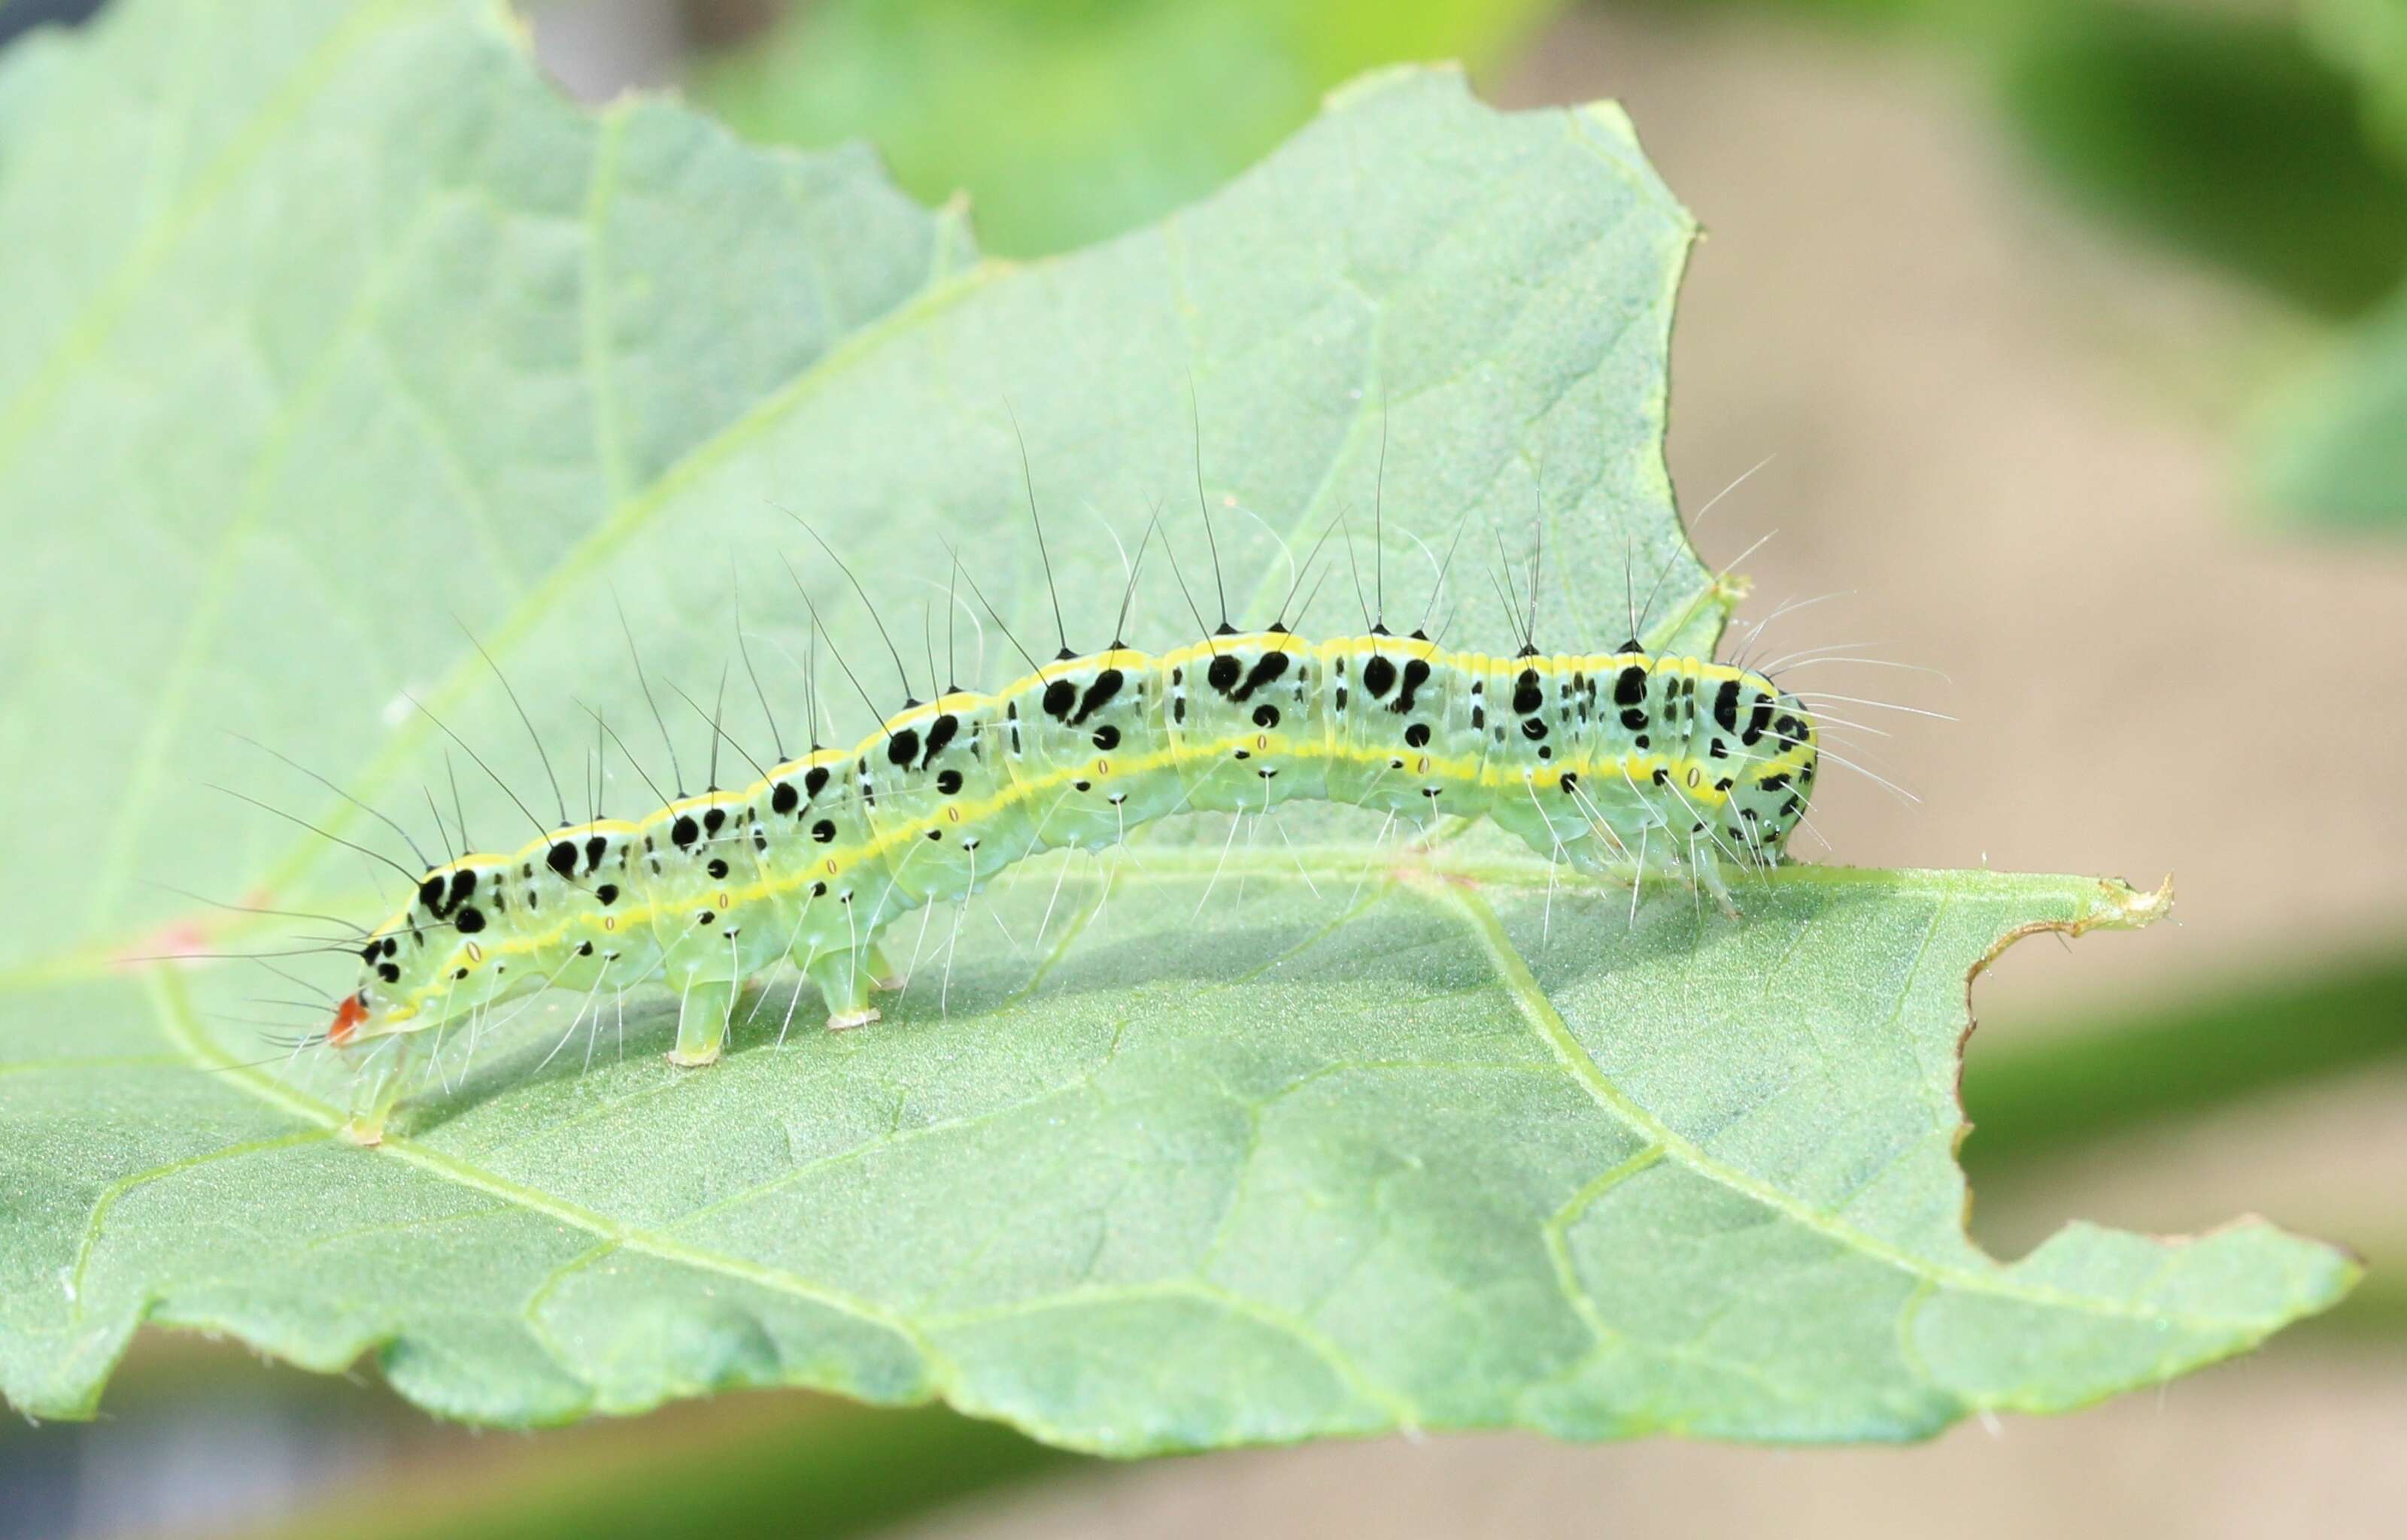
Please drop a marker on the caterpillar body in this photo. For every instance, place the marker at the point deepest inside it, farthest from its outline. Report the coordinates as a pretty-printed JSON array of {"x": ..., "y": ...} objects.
[{"x": 1604, "y": 761}]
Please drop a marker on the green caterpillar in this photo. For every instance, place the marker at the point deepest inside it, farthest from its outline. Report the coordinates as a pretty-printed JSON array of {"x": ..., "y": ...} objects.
[{"x": 1601, "y": 760}]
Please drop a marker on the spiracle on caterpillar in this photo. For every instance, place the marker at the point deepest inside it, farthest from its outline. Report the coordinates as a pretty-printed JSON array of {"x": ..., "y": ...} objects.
[{"x": 1605, "y": 761}]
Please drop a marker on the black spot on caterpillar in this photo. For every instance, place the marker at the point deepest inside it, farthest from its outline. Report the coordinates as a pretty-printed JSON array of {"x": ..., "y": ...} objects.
[{"x": 1580, "y": 782}]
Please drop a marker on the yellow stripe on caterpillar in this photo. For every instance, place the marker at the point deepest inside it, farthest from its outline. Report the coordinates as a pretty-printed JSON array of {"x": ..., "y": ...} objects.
[{"x": 1585, "y": 756}]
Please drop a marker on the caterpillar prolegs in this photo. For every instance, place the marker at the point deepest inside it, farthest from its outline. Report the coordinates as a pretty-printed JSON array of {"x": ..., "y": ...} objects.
[{"x": 1604, "y": 761}]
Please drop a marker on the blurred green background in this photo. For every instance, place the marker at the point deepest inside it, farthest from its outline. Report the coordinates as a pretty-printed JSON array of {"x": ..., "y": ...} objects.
[{"x": 2078, "y": 333}]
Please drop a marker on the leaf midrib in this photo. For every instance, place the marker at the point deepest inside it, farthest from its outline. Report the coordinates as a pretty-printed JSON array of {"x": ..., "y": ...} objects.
[
  {"x": 1447, "y": 891},
  {"x": 2112, "y": 903}
]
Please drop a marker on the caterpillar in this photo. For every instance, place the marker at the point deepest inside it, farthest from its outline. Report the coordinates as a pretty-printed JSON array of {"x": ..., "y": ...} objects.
[{"x": 1604, "y": 761}]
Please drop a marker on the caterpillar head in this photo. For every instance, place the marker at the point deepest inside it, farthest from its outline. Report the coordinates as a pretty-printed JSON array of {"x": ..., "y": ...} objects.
[
  {"x": 418, "y": 958},
  {"x": 387, "y": 994}
]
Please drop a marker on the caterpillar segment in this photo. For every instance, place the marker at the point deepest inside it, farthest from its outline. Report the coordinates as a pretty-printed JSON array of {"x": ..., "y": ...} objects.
[{"x": 1607, "y": 762}]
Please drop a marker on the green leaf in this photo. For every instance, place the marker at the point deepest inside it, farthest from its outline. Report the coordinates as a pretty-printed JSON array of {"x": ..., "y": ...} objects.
[
  {"x": 1243, "y": 1134},
  {"x": 773, "y": 1467},
  {"x": 2253, "y": 1034},
  {"x": 2332, "y": 451},
  {"x": 1066, "y": 123},
  {"x": 2368, "y": 40},
  {"x": 2220, "y": 135}
]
